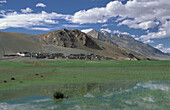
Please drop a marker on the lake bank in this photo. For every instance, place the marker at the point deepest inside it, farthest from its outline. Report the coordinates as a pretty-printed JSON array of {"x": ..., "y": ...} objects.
[{"x": 75, "y": 77}]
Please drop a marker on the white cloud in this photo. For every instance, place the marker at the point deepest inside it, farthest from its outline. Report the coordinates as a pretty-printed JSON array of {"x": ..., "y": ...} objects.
[
  {"x": 137, "y": 38},
  {"x": 152, "y": 35},
  {"x": 163, "y": 32},
  {"x": 104, "y": 25},
  {"x": 149, "y": 41},
  {"x": 144, "y": 25},
  {"x": 147, "y": 25},
  {"x": 27, "y": 10},
  {"x": 162, "y": 48},
  {"x": 97, "y": 15},
  {"x": 126, "y": 33},
  {"x": 133, "y": 36},
  {"x": 107, "y": 30},
  {"x": 116, "y": 32},
  {"x": 86, "y": 30},
  {"x": 119, "y": 32},
  {"x": 2, "y": 12},
  {"x": 29, "y": 20},
  {"x": 40, "y": 29},
  {"x": 138, "y": 14},
  {"x": 41, "y": 5},
  {"x": 3, "y": 1},
  {"x": 90, "y": 16},
  {"x": 49, "y": 21},
  {"x": 71, "y": 25}
]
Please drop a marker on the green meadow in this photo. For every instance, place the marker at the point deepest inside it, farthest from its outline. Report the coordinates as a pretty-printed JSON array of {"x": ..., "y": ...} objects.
[{"x": 76, "y": 77}]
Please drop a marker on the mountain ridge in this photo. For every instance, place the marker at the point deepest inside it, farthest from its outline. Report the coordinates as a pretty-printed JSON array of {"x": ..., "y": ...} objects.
[
  {"x": 76, "y": 39},
  {"x": 129, "y": 43},
  {"x": 65, "y": 41}
]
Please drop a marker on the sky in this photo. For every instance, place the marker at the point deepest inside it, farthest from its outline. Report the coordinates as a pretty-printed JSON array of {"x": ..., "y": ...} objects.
[{"x": 147, "y": 21}]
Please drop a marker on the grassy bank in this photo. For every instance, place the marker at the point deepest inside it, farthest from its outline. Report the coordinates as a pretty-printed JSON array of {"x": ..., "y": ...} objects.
[{"x": 77, "y": 76}]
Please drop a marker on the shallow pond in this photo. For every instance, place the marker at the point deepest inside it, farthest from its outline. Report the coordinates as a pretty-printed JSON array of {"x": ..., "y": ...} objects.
[{"x": 142, "y": 96}]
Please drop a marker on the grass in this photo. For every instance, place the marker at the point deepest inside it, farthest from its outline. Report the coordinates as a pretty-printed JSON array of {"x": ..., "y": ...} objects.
[{"x": 75, "y": 75}]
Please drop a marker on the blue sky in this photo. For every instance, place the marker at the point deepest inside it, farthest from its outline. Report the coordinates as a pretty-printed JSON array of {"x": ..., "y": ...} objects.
[{"x": 146, "y": 20}]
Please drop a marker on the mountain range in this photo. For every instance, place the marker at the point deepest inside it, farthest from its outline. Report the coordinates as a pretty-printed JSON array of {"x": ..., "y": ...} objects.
[
  {"x": 129, "y": 43},
  {"x": 76, "y": 42}
]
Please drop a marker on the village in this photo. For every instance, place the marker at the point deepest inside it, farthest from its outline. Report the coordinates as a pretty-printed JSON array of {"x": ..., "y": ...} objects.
[{"x": 40, "y": 55}]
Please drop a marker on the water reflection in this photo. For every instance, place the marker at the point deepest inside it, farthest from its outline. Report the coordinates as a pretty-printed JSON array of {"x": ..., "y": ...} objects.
[
  {"x": 29, "y": 103},
  {"x": 144, "y": 96}
]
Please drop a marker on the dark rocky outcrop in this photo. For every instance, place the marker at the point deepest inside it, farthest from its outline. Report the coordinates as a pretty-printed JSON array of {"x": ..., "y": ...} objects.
[
  {"x": 69, "y": 38},
  {"x": 42, "y": 76},
  {"x": 12, "y": 78},
  {"x": 59, "y": 95},
  {"x": 5, "y": 81}
]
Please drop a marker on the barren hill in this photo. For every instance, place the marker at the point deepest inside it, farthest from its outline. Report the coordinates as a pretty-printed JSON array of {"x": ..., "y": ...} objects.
[
  {"x": 14, "y": 42},
  {"x": 79, "y": 40}
]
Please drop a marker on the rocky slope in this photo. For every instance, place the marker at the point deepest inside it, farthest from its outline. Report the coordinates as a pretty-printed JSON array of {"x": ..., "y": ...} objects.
[
  {"x": 79, "y": 40},
  {"x": 69, "y": 38},
  {"x": 128, "y": 43}
]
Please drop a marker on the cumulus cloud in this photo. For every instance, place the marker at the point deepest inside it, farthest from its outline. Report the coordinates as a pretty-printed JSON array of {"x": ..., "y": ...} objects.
[
  {"x": 2, "y": 12},
  {"x": 29, "y": 20},
  {"x": 71, "y": 25},
  {"x": 3, "y": 1},
  {"x": 90, "y": 16},
  {"x": 104, "y": 25},
  {"x": 40, "y": 29},
  {"x": 107, "y": 30},
  {"x": 119, "y": 32},
  {"x": 143, "y": 25},
  {"x": 50, "y": 21},
  {"x": 86, "y": 30},
  {"x": 97, "y": 15},
  {"x": 162, "y": 48},
  {"x": 163, "y": 32},
  {"x": 149, "y": 41},
  {"x": 27, "y": 10},
  {"x": 138, "y": 14},
  {"x": 116, "y": 32},
  {"x": 126, "y": 33},
  {"x": 41, "y": 5},
  {"x": 133, "y": 36}
]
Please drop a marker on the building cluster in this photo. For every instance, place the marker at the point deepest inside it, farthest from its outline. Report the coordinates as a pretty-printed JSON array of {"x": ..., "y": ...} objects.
[
  {"x": 88, "y": 57},
  {"x": 40, "y": 55}
]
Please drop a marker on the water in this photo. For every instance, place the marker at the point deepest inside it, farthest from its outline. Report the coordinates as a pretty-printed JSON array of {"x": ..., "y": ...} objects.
[
  {"x": 143, "y": 96},
  {"x": 29, "y": 103}
]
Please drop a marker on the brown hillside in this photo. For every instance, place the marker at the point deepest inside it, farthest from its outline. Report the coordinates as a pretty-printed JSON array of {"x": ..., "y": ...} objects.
[
  {"x": 12, "y": 43},
  {"x": 77, "y": 39}
]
